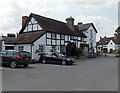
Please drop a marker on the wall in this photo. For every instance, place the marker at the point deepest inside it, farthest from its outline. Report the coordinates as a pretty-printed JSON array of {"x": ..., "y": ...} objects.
[
  {"x": 89, "y": 39},
  {"x": 26, "y": 47},
  {"x": 117, "y": 46},
  {"x": 4, "y": 45},
  {"x": 111, "y": 45},
  {"x": 40, "y": 41}
]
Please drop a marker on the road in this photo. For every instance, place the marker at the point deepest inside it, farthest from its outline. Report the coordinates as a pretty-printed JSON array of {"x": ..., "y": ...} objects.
[{"x": 87, "y": 74}]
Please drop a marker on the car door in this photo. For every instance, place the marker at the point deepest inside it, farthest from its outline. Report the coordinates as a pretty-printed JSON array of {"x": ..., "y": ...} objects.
[
  {"x": 54, "y": 58},
  {"x": 4, "y": 56},
  {"x": 49, "y": 58},
  {"x": 9, "y": 56}
]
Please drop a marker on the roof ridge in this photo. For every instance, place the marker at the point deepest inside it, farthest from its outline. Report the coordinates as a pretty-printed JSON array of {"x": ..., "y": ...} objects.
[{"x": 48, "y": 18}]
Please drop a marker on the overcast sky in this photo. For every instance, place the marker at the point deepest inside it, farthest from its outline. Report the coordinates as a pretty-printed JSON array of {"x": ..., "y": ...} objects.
[{"x": 102, "y": 13}]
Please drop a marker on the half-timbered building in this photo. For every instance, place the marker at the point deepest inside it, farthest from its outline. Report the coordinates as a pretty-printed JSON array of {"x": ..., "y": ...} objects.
[{"x": 41, "y": 34}]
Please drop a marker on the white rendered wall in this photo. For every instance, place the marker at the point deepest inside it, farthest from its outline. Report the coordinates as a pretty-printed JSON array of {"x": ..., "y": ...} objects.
[
  {"x": 111, "y": 46},
  {"x": 89, "y": 39},
  {"x": 40, "y": 41}
]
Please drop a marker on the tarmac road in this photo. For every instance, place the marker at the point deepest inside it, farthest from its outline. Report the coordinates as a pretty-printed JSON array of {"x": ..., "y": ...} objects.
[{"x": 88, "y": 74}]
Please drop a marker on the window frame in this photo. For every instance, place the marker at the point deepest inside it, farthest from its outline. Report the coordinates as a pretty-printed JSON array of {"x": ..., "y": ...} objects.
[{"x": 21, "y": 48}]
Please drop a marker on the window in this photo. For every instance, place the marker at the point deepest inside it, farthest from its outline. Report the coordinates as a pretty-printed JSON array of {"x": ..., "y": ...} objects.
[
  {"x": 48, "y": 35},
  {"x": 29, "y": 27},
  {"x": 53, "y": 35},
  {"x": 34, "y": 27},
  {"x": 9, "y": 53},
  {"x": 48, "y": 41},
  {"x": 20, "y": 48},
  {"x": 53, "y": 42},
  {"x": 41, "y": 48},
  {"x": 72, "y": 37},
  {"x": 62, "y": 37},
  {"x": 57, "y": 36},
  {"x": 3, "y": 53},
  {"x": 58, "y": 42}
]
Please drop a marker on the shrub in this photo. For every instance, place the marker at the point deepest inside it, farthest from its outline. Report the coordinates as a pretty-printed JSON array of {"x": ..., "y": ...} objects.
[
  {"x": 112, "y": 51},
  {"x": 79, "y": 52},
  {"x": 33, "y": 61}
]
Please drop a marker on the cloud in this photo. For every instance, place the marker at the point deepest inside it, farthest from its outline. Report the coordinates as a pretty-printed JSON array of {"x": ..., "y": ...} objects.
[{"x": 13, "y": 10}]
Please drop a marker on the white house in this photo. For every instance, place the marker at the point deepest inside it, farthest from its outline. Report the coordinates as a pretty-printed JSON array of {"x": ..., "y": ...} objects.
[
  {"x": 109, "y": 43},
  {"x": 90, "y": 31},
  {"x": 41, "y": 34}
]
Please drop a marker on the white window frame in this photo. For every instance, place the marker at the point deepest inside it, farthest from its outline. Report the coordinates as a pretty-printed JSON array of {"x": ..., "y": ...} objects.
[
  {"x": 53, "y": 35},
  {"x": 21, "y": 48}
]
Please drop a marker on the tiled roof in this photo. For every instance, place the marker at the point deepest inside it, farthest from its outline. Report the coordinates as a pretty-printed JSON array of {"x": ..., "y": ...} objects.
[
  {"x": 84, "y": 27},
  {"x": 106, "y": 40},
  {"x": 51, "y": 25},
  {"x": 25, "y": 38}
]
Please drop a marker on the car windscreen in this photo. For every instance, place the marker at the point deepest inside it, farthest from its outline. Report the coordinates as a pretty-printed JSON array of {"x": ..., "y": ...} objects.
[
  {"x": 24, "y": 54},
  {"x": 60, "y": 55},
  {"x": 3, "y": 53}
]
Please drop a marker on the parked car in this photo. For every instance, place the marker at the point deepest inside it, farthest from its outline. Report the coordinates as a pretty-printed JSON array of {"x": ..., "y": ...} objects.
[
  {"x": 55, "y": 58},
  {"x": 117, "y": 54},
  {"x": 15, "y": 58},
  {"x": 92, "y": 55}
]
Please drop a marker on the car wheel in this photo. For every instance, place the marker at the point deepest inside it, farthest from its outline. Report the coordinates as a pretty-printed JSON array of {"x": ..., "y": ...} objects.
[
  {"x": 13, "y": 64},
  {"x": 26, "y": 65},
  {"x": 63, "y": 63},
  {"x": 44, "y": 61}
]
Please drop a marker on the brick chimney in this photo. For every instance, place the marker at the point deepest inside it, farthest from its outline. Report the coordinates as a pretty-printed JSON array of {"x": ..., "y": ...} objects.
[
  {"x": 70, "y": 23},
  {"x": 24, "y": 20}
]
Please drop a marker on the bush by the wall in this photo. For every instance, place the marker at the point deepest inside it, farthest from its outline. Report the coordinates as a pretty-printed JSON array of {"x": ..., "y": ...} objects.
[{"x": 79, "y": 52}]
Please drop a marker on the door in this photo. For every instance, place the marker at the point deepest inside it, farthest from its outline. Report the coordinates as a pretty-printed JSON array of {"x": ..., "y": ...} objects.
[{"x": 8, "y": 57}]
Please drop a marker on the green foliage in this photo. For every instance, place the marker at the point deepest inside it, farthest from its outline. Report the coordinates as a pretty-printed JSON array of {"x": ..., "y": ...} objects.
[
  {"x": 112, "y": 51},
  {"x": 79, "y": 52},
  {"x": 118, "y": 50},
  {"x": 104, "y": 50},
  {"x": 33, "y": 61}
]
